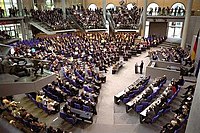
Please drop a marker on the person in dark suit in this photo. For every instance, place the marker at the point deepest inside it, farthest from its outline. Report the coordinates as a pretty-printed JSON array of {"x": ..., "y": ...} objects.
[
  {"x": 141, "y": 66},
  {"x": 1, "y": 13},
  {"x": 149, "y": 115}
]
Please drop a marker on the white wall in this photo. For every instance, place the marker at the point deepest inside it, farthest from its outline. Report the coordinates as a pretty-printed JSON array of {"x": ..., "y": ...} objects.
[
  {"x": 194, "y": 26},
  {"x": 193, "y": 125}
]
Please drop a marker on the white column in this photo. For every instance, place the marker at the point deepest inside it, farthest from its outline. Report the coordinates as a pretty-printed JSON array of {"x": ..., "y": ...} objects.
[
  {"x": 193, "y": 125},
  {"x": 64, "y": 9},
  {"x": 104, "y": 8},
  {"x": 23, "y": 29},
  {"x": 186, "y": 23},
  {"x": 144, "y": 18},
  {"x": 20, "y": 7}
]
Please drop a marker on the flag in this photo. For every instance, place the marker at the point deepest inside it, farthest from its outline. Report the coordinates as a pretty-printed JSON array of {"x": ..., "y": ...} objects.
[
  {"x": 194, "y": 50},
  {"x": 197, "y": 69}
]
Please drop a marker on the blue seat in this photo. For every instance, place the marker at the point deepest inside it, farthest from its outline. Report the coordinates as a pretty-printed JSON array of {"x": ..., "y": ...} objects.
[
  {"x": 77, "y": 106},
  {"x": 149, "y": 98},
  {"x": 125, "y": 100},
  {"x": 166, "y": 110},
  {"x": 153, "y": 94},
  {"x": 26, "y": 123},
  {"x": 170, "y": 100},
  {"x": 160, "y": 112},
  {"x": 71, "y": 120},
  {"x": 62, "y": 115},
  {"x": 32, "y": 99},
  {"x": 141, "y": 89},
  {"x": 46, "y": 109},
  {"x": 40, "y": 105},
  {"x": 154, "y": 118},
  {"x": 136, "y": 92},
  {"x": 68, "y": 92},
  {"x": 139, "y": 108},
  {"x": 160, "y": 85},
  {"x": 131, "y": 95},
  {"x": 35, "y": 102},
  {"x": 86, "y": 108},
  {"x": 145, "y": 104}
]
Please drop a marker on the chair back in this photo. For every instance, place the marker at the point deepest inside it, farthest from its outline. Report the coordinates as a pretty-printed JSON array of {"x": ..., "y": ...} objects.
[
  {"x": 77, "y": 106},
  {"x": 125, "y": 100},
  {"x": 62, "y": 115},
  {"x": 139, "y": 108},
  {"x": 86, "y": 108}
]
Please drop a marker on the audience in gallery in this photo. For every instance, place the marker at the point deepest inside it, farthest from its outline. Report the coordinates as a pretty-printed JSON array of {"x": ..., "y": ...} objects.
[
  {"x": 4, "y": 35},
  {"x": 1, "y": 12},
  {"x": 89, "y": 19},
  {"x": 182, "y": 113},
  {"x": 12, "y": 11},
  {"x": 126, "y": 19},
  {"x": 20, "y": 118},
  {"x": 53, "y": 18},
  {"x": 166, "y": 11},
  {"x": 172, "y": 54}
]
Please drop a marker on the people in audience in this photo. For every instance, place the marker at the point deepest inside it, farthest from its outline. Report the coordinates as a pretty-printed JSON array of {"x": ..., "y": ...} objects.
[
  {"x": 165, "y": 11},
  {"x": 52, "y": 18},
  {"x": 78, "y": 62},
  {"x": 4, "y": 35},
  {"x": 126, "y": 19},
  {"x": 39, "y": 98},
  {"x": 181, "y": 114},
  {"x": 89, "y": 19},
  {"x": 172, "y": 54},
  {"x": 1, "y": 13},
  {"x": 20, "y": 114}
]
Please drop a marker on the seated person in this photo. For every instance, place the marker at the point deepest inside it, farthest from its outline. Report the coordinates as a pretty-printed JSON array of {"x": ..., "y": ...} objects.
[
  {"x": 186, "y": 72},
  {"x": 149, "y": 115},
  {"x": 50, "y": 130},
  {"x": 51, "y": 105},
  {"x": 39, "y": 98},
  {"x": 70, "y": 114},
  {"x": 181, "y": 81}
]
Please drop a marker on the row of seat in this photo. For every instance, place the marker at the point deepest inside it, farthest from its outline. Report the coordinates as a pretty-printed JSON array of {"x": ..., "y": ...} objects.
[
  {"x": 163, "y": 111},
  {"x": 146, "y": 95},
  {"x": 52, "y": 96},
  {"x": 142, "y": 105},
  {"x": 40, "y": 105},
  {"x": 134, "y": 93},
  {"x": 131, "y": 91}
]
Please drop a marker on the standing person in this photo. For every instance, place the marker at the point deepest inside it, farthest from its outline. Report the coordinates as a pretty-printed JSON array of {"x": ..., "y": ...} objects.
[
  {"x": 1, "y": 13},
  {"x": 136, "y": 68},
  {"x": 141, "y": 66}
]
